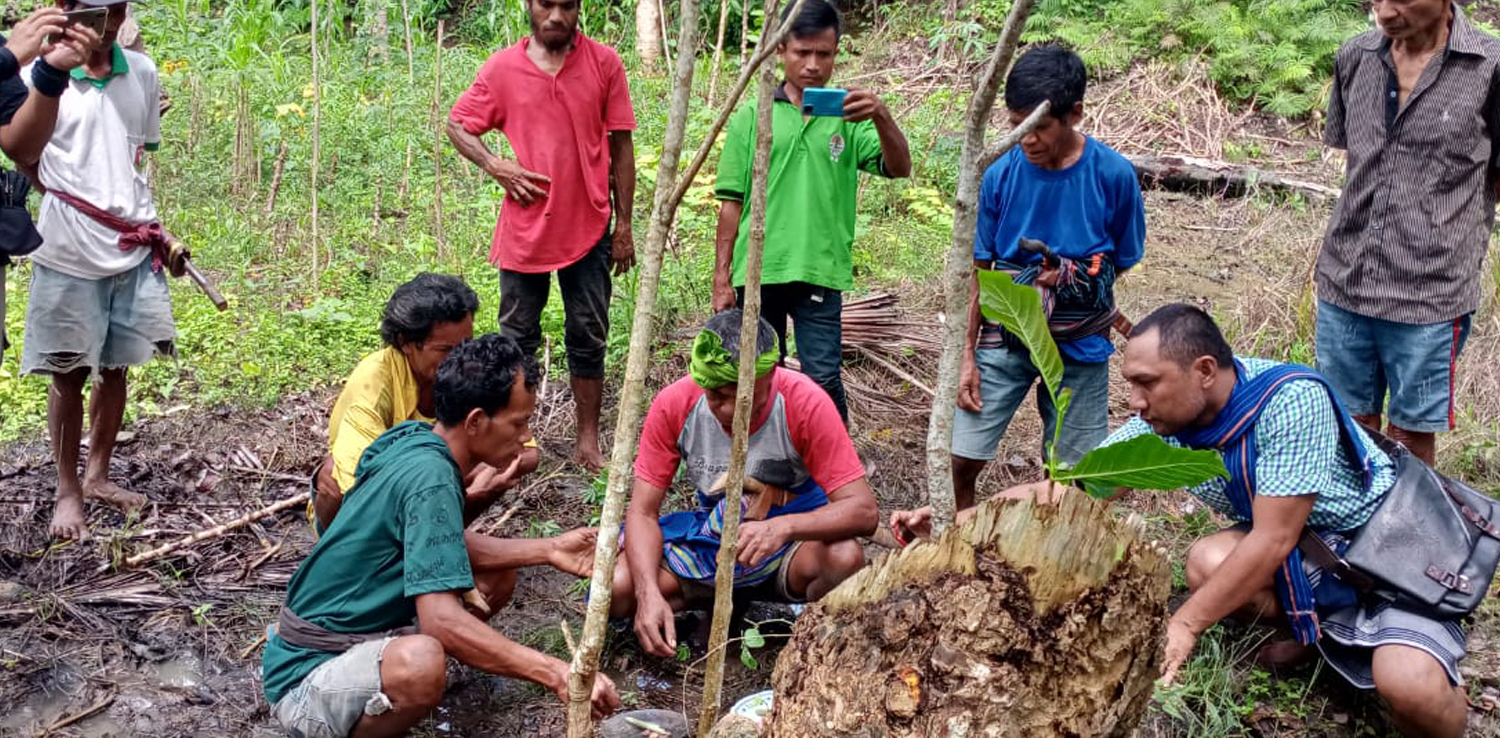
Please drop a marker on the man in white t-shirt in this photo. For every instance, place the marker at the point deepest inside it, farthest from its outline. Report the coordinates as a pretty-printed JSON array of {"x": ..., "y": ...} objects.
[{"x": 99, "y": 302}]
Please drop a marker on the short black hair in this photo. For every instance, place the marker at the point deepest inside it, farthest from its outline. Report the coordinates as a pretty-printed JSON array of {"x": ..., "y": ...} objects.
[
  {"x": 425, "y": 301},
  {"x": 480, "y": 373},
  {"x": 1186, "y": 332},
  {"x": 816, "y": 17},
  {"x": 726, "y": 326},
  {"x": 1046, "y": 72}
]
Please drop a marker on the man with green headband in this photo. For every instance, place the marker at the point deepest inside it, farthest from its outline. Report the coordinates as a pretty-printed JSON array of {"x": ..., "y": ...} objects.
[{"x": 806, "y": 498}]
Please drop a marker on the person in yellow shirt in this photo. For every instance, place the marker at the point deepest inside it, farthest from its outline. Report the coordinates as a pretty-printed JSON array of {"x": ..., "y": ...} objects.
[{"x": 425, "y": 319}]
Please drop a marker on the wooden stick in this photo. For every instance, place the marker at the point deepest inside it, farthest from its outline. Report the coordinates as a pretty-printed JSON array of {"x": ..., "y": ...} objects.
[
  {"x": 713, "y": 671},
  {"x": 713, "y": 77},
  {"x": 209, "y": 533},
  {"x": 437, "y": 146},
  {"x": 246, "y": 651},
  {"x": 585, "y": 663},
  {"x": 317, "y": 141},
  {"x": 503, "y": 519},
  {"x": 896, "y": 370},
  {"x": 93, "y": 710},
  {"x": 959, "y": 269},
  {"x": 276, "y": 179}
]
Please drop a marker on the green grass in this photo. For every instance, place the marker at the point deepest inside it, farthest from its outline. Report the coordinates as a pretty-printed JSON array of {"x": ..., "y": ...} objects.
[{"x": 304, "y": 311}]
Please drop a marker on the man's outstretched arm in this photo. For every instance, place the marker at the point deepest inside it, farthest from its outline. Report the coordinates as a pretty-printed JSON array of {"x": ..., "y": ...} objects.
[{"x": 465, "y": 638}]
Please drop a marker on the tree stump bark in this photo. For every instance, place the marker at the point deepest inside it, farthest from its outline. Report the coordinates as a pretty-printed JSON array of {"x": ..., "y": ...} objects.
[{"x": 1027, "y": 620}]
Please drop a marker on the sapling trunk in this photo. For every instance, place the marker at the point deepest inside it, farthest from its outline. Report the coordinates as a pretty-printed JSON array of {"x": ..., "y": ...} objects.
[
  {"x": 437, "y": 146},
  {"x": 959, "y": 267},
  {"x": 585, "y": 662},
  {"x": 713, "y": 75},
  {"x": 317, "y": 101},
  {"x": 734, "y": 485}
]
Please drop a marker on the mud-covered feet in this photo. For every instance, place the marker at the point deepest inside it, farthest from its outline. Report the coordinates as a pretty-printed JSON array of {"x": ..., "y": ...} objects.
[
  {"x": 1284, "y": 654},
  {"x": 109, "y": 493},
  {"x": 586, "y": 454},
  {"x": 68, "y": 521}
]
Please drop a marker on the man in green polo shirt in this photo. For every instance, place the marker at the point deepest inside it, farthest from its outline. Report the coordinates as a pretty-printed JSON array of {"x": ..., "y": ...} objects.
[
  {"x": 345, "y": 657},
  {"x": 813, "y": 188}
]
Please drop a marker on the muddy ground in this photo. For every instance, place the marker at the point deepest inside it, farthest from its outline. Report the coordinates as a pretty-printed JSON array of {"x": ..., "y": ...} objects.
[{"x": 171, "y": 648}]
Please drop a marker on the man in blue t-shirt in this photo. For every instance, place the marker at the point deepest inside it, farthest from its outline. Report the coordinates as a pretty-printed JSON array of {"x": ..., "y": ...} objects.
[{"x": 1081, "y": 199}]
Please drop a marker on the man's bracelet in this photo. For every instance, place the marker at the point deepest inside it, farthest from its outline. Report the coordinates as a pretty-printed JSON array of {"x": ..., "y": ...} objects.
[{"x": 47, "y": 79}]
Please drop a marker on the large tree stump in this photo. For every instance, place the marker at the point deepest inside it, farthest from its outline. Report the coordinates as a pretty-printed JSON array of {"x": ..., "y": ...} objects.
[{"x": 1026, "y": 620}]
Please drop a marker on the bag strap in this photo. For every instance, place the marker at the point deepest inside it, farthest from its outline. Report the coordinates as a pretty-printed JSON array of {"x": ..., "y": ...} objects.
[{"x": 1322, "y": 556}]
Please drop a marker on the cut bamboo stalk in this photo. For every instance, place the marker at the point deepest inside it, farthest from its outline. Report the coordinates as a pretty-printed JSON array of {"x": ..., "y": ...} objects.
[
  {"x": 276, "y": 179},
  {"x": 734, "y": 486},
  {"x": 959, "y": 270}
]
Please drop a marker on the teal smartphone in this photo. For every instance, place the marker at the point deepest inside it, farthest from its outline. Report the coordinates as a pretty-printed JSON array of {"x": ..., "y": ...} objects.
[{"x": 824, "y": 101}]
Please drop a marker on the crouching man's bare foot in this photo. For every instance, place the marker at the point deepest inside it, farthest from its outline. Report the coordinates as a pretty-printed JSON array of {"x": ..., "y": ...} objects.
[
  {"x": 109, "y": 493},
  {"x": 68, "y": 521}
]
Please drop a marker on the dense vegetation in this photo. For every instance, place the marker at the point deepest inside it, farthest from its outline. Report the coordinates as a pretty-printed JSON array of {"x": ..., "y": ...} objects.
[{"x": 393, "y": 196}]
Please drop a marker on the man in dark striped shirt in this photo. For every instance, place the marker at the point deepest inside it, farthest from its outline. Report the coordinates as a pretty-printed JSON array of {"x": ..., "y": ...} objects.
[{"x": 1416, "y": 104}]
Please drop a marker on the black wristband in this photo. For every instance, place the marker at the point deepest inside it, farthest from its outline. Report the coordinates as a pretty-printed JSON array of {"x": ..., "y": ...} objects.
[
  {"x": 9, "y": 66},
  {"x": 47, "y": 79}
]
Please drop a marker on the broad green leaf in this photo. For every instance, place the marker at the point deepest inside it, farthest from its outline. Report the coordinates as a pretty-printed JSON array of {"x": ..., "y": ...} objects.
[
  {"x": 1145, "y": 462},
  {"x": 748, "y": 660},
  {"x": 1018, "y": 307},
  {"x": 753, "y": 638}
]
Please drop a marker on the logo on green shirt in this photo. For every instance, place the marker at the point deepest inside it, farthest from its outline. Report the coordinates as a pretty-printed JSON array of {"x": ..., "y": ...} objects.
[{"x": 836, "y": 146}]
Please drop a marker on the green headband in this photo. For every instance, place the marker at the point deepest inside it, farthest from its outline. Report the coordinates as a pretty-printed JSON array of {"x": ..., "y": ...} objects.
[{"x": 711, "y": 366}]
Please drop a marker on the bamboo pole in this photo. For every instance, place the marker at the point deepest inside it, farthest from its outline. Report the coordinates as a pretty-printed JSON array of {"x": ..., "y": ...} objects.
[
  {"x": 437, "y": 146},
  {"x": 411, "y": 65},
  {"x": 585, "y": 662},
  {"x": 317, "y": 80},
  {"x": 734, "y": 487},
  {"x": 214, "y": 532},
  {"x": 959, "y": 270},
  {"x": 713, "y": 77}
]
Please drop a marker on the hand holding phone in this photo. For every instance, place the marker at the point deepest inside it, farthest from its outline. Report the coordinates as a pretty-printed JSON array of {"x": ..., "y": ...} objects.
[
  {"x": 91, "y": 18},
  {"x": 824, "y": 102}
]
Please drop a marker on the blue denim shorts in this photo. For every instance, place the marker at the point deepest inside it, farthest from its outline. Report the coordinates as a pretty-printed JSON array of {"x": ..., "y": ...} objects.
[
  {"x": 1005, "y": 377},
  {"x": 111, "y": 323},
  {"x": 1369, "y": 360}
]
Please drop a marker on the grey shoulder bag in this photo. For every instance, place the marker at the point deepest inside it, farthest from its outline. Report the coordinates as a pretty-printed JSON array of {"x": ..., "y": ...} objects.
[{"x": 1432, "y": 544}]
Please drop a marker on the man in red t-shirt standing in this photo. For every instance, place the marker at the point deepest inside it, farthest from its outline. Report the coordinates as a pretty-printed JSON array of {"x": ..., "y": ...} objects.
[{"x": 562, "y": 102}]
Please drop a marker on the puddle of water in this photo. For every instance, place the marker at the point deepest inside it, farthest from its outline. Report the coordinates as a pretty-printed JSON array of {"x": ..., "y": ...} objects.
[
  {"x": 44, "y": 708},
  {"x": 183, "y": 673}
]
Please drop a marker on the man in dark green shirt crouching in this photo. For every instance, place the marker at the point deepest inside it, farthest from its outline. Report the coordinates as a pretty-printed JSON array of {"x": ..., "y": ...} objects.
[{"x": 360, "y": 647}]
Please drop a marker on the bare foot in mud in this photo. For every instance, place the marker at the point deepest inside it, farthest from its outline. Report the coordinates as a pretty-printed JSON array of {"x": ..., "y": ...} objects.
[
  {"x": 68, "y": 520},
  {"x": 111, "y": 494},
  {"x": 588, "y": 455}
]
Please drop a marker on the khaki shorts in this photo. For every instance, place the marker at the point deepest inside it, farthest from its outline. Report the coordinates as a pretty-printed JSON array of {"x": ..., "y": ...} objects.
[{"x": 331, "y": 699}]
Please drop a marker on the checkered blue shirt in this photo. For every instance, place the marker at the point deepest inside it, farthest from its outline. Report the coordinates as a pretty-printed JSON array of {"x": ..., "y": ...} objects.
[{"x": 1297, "y": 436}]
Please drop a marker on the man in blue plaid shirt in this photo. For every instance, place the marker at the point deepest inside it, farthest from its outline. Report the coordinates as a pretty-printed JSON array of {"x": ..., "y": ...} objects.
[{"x": 1297, "y": 460}]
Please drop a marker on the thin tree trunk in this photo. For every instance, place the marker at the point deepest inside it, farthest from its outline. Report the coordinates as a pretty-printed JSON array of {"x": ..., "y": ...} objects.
[
  {"x": 734, "y": 486},
  {"x": 713, "y": 76},
  {"x": 411, "y": 65},
  {"x": 317, "y": 134},
  {"x": 437, "y": 146},
  {"x": 378, "y": 27},
  {"x": 744, "y": 30},
  {"x": 648, "y": 35},
  {"x": 276, "y": 179},
  {"x": 959, "y": 268},
  {"x": 585, "y": 664}
]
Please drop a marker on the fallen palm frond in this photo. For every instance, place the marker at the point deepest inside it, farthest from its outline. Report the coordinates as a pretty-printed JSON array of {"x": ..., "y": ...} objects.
[{"x": 893, "y": 353}]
